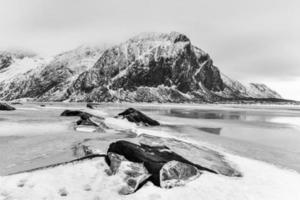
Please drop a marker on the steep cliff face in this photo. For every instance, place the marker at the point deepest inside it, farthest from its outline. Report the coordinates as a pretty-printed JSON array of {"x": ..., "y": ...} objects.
[
  {"x": 157, "y": 63},
  {"x": 146, "y": 68}
]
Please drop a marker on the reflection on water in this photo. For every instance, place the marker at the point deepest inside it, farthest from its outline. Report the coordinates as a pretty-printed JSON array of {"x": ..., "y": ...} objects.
[
  {"x": 205, "y": 114},
  {"x": 250, "y": 116},
  {"x": 215, "y": 131}
]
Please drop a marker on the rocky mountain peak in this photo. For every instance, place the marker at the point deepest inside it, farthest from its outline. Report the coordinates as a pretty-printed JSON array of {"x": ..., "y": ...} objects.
[{"x": 161, "y": 67}]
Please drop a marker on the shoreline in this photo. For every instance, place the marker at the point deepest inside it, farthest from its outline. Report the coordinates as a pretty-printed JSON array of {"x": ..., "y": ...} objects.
[
  {"x": 41, "y": 183},
  {"x": 95, "y": 184}
]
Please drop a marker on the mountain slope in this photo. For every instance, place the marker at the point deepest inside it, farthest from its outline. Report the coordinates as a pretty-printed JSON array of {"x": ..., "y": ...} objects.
[
  {"x": 235, "y": 89},
  {"x": 45, "y": 79},
  {"x": 148, "y": 67},
  {"x": 156, "y": 67}
]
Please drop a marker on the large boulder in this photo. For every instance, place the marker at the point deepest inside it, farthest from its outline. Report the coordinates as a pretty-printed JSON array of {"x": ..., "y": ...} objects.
[
  {"x": 138, "y": 117},
  {"x": 156, "y": 160},
  {"x": 5, "y": 106},
  {"x": 201, "y": 153}
]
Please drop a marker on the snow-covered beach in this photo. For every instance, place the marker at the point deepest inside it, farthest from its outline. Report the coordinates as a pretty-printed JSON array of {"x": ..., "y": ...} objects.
[{"x": 261, "y": 141}]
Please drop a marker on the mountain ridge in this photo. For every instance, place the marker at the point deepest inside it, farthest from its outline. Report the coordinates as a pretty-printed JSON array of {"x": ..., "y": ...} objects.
[{"x": 149, "y": 67}]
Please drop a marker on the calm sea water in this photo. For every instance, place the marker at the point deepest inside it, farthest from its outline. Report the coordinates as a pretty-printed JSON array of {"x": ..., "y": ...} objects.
[{"x": 32, "y": 135}]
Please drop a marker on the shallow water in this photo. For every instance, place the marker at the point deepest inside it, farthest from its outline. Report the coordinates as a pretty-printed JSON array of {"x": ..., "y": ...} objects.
[{"x": 33, "y": 136}]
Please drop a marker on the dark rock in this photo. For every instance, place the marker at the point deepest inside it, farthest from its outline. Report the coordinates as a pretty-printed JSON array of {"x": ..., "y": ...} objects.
[
  {"x": 201, "y": 154},
  {"x": 72, "y": 113},
  {"x": 154, "y": 158},
  {"x": 6, "y": 107},
  {"x": 43, "y": 105},
  {"x": 138, "y": 117},
  {"x": 90, "y": 105}
]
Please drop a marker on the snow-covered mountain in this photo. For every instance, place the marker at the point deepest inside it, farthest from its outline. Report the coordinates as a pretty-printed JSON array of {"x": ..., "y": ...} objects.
[
  {"x": 146, "y": 68},
  {"x": 45, "y": 79},
  {"x": 235, "y": 89}
]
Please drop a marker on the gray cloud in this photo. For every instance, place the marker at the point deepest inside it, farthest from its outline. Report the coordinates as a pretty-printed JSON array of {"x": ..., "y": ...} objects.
[{"x": 249, "y": 40}]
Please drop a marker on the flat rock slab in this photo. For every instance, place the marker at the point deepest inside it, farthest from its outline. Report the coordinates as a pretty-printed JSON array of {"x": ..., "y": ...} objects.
[{"x": 199, "y": 155}]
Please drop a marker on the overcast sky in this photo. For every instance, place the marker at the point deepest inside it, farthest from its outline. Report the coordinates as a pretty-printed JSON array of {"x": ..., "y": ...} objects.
[{"x": 252, "y": 41}]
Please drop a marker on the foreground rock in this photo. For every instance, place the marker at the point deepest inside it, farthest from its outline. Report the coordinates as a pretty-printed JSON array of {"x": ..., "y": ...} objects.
[
  {"x": 197, "y": 154},
  {"x": 5, "y": 106},
  {"x": 138, "y": 117},
  {"x": 156, "y": 160}
]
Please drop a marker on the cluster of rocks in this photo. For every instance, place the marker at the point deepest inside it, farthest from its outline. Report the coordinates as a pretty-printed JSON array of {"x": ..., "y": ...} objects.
[
  {"x": 155, "y": 163},
  {"x": 165, "y": 162},
  {"x": 87, "y": 121},
  {"x": 93, "y": 123}
]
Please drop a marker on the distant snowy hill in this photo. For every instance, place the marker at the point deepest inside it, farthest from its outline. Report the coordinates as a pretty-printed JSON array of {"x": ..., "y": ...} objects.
[
  {"x": 45, "y": 79},
  {"x": 236, "y": 89},
  {"x": 146, "y": 68}
]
